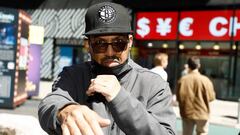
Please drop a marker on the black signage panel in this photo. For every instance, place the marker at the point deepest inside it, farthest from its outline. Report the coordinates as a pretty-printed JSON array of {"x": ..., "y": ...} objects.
[{"x": 13, "y": 56}]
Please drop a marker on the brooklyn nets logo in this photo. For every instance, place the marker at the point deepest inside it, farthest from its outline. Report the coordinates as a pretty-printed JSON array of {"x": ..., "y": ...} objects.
[{"x": 107, "y": 14}]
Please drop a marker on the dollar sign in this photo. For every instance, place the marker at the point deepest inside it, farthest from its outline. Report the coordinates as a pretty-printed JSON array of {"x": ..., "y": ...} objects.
[{"x": 143, "y": 27}]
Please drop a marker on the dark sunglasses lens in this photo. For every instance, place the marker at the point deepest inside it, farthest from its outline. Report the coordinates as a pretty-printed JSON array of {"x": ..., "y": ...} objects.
[
  {"x": 119, "y": 46},
  {"x": 99, "y": 48}
]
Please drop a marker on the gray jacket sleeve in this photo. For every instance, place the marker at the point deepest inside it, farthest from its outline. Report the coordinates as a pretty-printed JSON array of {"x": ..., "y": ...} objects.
[
  {"x": 48, "y": 108},
  {"x": 134, "y": 119},
  {"x": 66, "y": 90}
]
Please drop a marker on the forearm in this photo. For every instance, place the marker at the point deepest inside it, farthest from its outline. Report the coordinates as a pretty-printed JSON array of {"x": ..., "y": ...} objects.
[
  {"x": 133, "y": 118},
  {"x": 49, "y": 107}
]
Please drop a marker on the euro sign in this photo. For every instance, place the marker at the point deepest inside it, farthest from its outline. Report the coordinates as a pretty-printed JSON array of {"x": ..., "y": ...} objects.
[{"x": 143, "y": 27}]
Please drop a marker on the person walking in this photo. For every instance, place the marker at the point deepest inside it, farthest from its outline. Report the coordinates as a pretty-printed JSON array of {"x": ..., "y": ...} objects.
[
  {"x": 185, "y": 70},
  {"x": 110, "y": 94},
  {"x": 160, "y": 62},
  {"x": 194, "y": 92}
]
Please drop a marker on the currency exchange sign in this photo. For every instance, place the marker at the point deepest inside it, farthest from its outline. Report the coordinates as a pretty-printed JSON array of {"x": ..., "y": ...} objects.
[
  {"x": 157, "y": 25},
  {"x": 192, "y": 25}
]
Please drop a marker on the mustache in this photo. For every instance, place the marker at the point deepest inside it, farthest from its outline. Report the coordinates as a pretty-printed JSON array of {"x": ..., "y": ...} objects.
[{"x": 115, "y": 58}]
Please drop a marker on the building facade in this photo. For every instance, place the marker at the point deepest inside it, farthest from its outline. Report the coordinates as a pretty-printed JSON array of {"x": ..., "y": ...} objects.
[
  {"x": 213, "y": 35},
  {"x": 206, "y": 28}
]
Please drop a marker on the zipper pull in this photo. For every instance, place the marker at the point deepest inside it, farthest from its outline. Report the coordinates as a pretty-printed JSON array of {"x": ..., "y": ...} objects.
[{"x": 113, "y": 125}]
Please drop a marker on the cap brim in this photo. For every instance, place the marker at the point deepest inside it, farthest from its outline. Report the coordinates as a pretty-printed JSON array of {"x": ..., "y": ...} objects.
[{"x": 102, "y": 31}]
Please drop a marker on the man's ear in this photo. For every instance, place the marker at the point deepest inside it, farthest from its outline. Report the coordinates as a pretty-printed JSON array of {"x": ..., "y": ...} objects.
[
  {"x": 86, "y": 44},
  {"x": 130, "y": 37}
]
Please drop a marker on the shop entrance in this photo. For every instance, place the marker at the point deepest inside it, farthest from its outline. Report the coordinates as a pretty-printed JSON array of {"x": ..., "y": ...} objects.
[
  {"x": 147, "y": 50},
  {"x": 217, "y": 63},
  {"x": 216, "y": 68}
]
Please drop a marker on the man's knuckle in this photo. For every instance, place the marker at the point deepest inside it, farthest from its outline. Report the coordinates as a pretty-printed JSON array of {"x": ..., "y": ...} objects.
[
  {"x": 84, "y": 108},
  {"x": 91, "y": 120},
  {"x": 75, "y": 112}
]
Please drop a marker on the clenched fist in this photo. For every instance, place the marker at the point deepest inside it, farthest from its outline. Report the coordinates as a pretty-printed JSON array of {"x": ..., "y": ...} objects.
[{"x": 107, "y": 85}]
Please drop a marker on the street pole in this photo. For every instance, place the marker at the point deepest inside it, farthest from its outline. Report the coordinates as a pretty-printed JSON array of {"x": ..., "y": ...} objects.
[{"x": 239, "y": 111}]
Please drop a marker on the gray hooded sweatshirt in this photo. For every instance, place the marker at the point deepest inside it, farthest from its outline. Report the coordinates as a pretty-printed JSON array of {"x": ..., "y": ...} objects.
[{"x": 142, "y": 107}]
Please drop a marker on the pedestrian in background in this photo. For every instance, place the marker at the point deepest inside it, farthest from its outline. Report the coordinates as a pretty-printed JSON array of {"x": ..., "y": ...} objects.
[
  {"x": 194, "y": 92},
  {"x": 160, "y": 63},
  {"x": 111, "y": 94},
  {"x": 185, "y": 70}
]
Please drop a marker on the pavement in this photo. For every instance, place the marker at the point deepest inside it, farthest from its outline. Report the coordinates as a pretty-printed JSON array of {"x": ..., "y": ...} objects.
[{"x": 224, "y": 114}]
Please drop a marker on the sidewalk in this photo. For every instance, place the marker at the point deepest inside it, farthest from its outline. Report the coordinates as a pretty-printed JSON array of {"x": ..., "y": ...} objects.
[
  {"x": 223, "y": 113},
  {"x": 23, "y": 120}
]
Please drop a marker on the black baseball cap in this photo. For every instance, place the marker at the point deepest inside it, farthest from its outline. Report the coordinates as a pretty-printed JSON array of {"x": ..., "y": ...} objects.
[{"x": 107, "y": 18}]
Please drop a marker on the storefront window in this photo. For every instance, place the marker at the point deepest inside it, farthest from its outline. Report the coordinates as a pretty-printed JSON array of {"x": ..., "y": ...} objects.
[
  {"x": 215, "y": 63},
  {"x": 147, "y": 50},
  {"x": 237, "y": 80}
]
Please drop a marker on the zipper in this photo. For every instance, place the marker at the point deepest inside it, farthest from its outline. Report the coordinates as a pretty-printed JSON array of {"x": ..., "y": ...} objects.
[{"x": 110, "y": 128}]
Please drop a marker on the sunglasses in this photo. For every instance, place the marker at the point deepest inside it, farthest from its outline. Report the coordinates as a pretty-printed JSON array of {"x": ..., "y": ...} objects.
[{"x": 101, "y": 45}]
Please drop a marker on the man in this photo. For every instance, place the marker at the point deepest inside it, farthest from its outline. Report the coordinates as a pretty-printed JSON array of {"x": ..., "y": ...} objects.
[
  {"x": 194, "y": 92},
  {"x": 110, "y": 95},
  {"x": 160, "y": 62},
  {"x": 185, "y": 70}
]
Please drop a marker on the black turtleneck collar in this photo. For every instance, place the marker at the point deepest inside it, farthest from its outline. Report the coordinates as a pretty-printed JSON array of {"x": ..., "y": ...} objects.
[{"x": 119, "y": 71}]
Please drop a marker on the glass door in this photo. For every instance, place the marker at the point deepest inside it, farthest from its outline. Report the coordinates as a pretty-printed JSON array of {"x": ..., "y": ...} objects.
[{"x": 216, "y": 63}]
